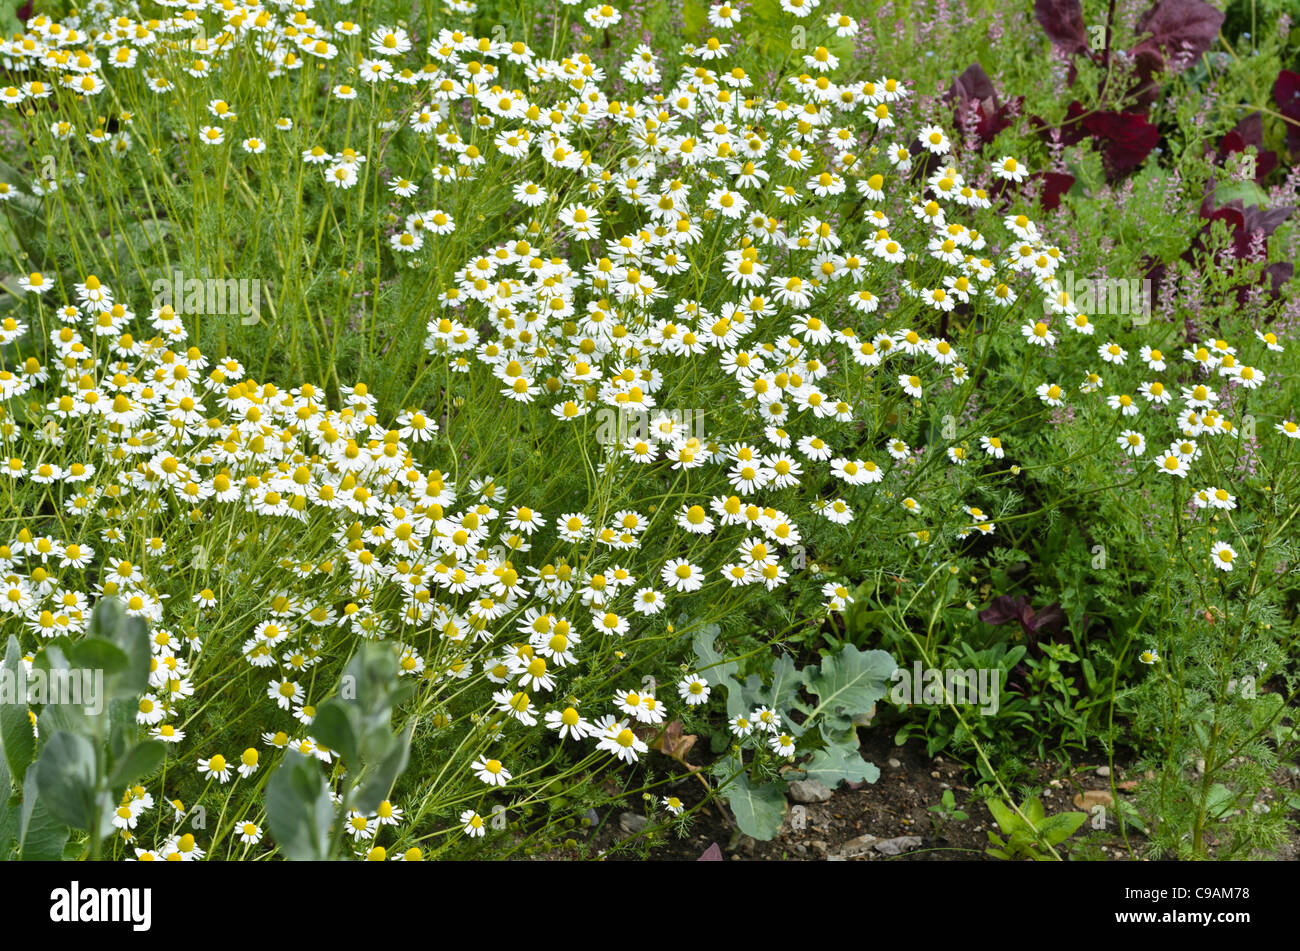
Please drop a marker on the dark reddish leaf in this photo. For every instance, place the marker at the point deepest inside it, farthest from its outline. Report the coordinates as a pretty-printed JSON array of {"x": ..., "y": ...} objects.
[
  {"x": 1055, "y": 184},
  {"x": 1062, "y": 20},
  {"x": 972, "y": 84},
  {"x": 994, "y": 120},
  {"x": 711, "y": 854},
  {"x": 1048, "y": 620},
  {"x": 1147, "y": 62},
  {"x": 975, "y": 96},
  {"x": 1072, "y": 129},
  {"x": 1127, "y": 139},
  {"x": 1266, "y": 220},
  {"x": 1278, "y": 274},
  {"x": 1286, "y": 93},
  {"x": 1274, "y": 278},
  {"x": 1249, "y": 131},
  {"x": 1231, "y": 142},
  {"x": 1003, "y": 609},
  {"x": 1180, "y": 27}
]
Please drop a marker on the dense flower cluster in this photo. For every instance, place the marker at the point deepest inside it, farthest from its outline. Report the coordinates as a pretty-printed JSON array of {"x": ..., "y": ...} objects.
[{"x": 789, "y": 255}]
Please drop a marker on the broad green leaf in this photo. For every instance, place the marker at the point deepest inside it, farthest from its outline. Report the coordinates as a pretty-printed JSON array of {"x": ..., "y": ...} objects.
[
  {"x": 16, "y": 736},
  {"x": 1033, "y": 810},
  {"x": 98, "y": 654},
  {"x": 840, "y": 764},
  {"x": 1246, "y": 191},
  {"x": 784, "y": 688},
  {"x": 1219, "y": 801},
  {"x": 1056, "y": 829},
  {"x": 41, "y": 837},
  {"x": 334, "y": 727},
  {"x": 131, "y": 634},
  {"x": 139, "y": 762},
  {"x": 66, "y": 780},
  {"x": 380, "y": 780},
  {"x": 759, "y": 810},
  {"x": 299, "y": 809},
  {"x": 716, "y": 671},
  {"x": 1002, "y": 814},
  {"x": 8, "y": 814},
  {"x": 373, "y": 673},
  {"x": 849, "y": 682}
]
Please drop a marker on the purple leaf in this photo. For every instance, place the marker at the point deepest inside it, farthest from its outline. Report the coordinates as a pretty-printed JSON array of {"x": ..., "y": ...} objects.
[
  {"x": 1050, "y": 619},
  {"x": 1062, "y": 20},
  {"x": 1128, "y": 139},
  {"x": 1187, "y": 27},
  {"x": 1286, "y": 93},
  {"x": 972, "y": 84},
  {"x": 1055, "y": 184},
  {"x": 1003, "y": 609},
  {"x": 1249, "y": 131},
  {"x": 711, "y": 854}
]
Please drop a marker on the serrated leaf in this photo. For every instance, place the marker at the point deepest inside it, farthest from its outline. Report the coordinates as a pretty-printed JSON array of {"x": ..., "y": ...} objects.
[
  {"x": 840, "y": 764},
  {"x": 849, "y": 682},
  {"x": 716, "y": 671},
  {"x": 784, "y": 687},
  {"x": 759, "y": 810},
  {"x": 1219, "y": 801}
]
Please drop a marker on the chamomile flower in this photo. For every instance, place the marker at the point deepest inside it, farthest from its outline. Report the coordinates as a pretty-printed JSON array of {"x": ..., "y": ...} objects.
[
  {"x": 680, "y": 575},
  {"x": 216, "y": 767},
  {"x": 472, "y": 824},
  {"x": 617, "y": 737},
  {"x": 491, "y": 771},
  {"x": 1222, "y": 556},
  {"x": 694, "y": 690}
]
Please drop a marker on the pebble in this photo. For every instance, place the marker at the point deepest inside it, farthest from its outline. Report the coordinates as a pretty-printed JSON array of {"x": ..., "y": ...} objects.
[
  {"x": 632, "y": 823},
  {"x": 934, "y": 774},
  {"x": 1089, "y": 799},
  {"x": 809, "y": 790},
  {"x": 856, "y": 846},
  {"x": 1103, "y": 771},
  {"x": 898, "y": 844},
  {"x": 893, "y": 763}
]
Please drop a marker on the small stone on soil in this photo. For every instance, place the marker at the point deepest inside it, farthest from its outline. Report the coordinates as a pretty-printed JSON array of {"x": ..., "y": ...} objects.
[
  {"x": 631, "y": 823},
  {"x": 809, "y": 790}
]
